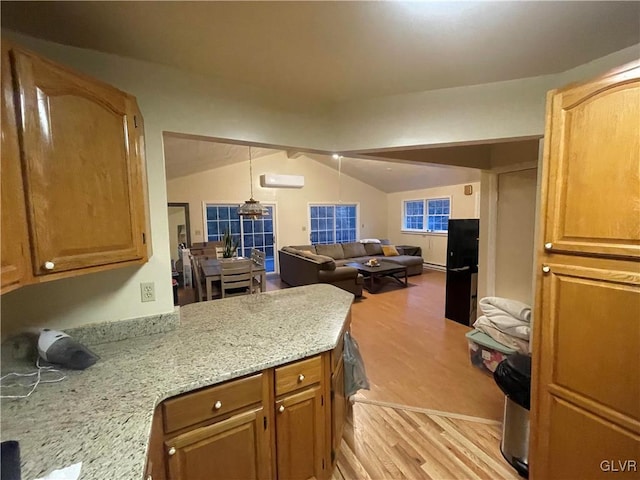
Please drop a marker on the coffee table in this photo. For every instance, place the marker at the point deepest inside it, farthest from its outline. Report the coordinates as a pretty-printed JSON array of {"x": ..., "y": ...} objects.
[{"x": 386, "y": 269}]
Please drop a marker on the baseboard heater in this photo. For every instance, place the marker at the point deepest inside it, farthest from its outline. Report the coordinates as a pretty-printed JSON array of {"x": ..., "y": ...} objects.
[{"x": 434, "y": 266}]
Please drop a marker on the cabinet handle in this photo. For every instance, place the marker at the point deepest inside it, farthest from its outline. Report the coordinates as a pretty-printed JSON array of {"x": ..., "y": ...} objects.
[
  {"x": 49, "y": 265},
  {"x": 281, "y": 409},
  {"x": 546, "y": 269},
  {"x": 172, "y": 451},
  {"x": 548, "y": 246},
  {"x": 217, "y": 405},
  {"x": 300, "y": 378}
]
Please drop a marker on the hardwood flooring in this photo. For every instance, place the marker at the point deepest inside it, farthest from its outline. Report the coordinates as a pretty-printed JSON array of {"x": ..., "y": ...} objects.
[
  {"x": 416, "y": 357},
  {"x": 395, "y": 443}
]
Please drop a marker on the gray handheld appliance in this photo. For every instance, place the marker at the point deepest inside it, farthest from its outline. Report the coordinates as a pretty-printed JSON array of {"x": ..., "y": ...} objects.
[{"x": 57, "y": 347}]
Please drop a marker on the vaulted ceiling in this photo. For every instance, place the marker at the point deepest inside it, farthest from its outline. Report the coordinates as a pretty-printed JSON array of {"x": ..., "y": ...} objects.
[{"x": 308, "y": 55}]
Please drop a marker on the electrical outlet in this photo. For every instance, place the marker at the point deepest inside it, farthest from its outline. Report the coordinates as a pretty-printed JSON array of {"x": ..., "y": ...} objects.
[{"x": 148, "y": 292}]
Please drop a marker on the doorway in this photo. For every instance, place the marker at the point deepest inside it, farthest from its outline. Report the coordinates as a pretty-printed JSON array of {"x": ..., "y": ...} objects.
[
  {"x": 179, "y": 229},
  {"x": 515, "y": 235}
]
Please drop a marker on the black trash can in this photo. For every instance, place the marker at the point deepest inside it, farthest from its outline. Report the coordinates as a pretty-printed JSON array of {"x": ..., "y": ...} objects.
[{"x": 513, "y": 376}]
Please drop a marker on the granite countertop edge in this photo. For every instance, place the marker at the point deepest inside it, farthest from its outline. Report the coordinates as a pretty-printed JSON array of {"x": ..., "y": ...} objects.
[{"x": 107, "y": 428}]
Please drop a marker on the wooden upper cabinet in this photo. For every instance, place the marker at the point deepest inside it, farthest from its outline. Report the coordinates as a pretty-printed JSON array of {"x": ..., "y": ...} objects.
[
  {"x": 603, "y": 154},
  {"x": 14, "y": 229},
  {"x": 82, "y": 168}
]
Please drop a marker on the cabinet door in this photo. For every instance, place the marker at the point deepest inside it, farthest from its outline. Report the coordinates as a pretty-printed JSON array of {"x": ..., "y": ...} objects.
[
  {"x": 82, "y": 174},
  {"x": 586, "y": 405},
  {"x": 338, "y": 408},
  {"x": 300, "y": 435},
  {"x": 236, "y": 448},
  {"x": 14, "y": 231},
  {"x": 593, "y": 141}
]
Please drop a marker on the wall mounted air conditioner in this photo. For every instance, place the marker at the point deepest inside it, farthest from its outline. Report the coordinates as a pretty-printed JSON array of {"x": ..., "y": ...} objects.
[{"x": 272, "y": 180}]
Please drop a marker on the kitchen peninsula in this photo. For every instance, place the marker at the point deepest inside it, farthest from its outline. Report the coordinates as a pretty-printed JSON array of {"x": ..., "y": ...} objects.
[{"x": 103, "y": 416}]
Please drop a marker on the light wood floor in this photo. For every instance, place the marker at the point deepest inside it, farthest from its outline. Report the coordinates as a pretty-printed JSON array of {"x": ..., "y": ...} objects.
[
  {"x": 417, "y": 363},
  {"x": 393, "y": 443},
  {"x": 414, "y": 356}
]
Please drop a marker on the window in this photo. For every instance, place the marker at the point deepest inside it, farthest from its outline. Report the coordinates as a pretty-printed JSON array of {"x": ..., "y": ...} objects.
[
  {"x": 427, "y": 215},
  {"x": 333, "y": 223},
  {"x": 221, "y": 218},
  {"x": 258, "y": 233}
]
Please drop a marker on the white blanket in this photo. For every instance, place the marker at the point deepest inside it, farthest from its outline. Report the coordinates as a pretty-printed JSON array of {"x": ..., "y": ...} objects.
[
  {"x": 508, "y": 316},
  {"x": 516, "y": 309}
]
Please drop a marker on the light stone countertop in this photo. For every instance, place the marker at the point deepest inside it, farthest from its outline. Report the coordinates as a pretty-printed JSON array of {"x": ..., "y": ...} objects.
[{"x": 102, "y": 416}]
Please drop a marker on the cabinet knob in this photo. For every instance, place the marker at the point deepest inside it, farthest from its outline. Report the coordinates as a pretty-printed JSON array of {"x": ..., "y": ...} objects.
[
  {"x": 172, "y": 451},
  {"x": 548, "y": 246},
  {"x": 217, "y": 405},
  {"x": 281, "y": 409},
  {"x": 149, "y": 477},
  {"x": 49, "y": 265},
  {"x": 300, "y": 378},
  {"x": 546, "y": 269}
]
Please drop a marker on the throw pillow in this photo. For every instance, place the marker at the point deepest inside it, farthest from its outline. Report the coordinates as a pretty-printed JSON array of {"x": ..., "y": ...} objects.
[{"x": 389, "y": 250}]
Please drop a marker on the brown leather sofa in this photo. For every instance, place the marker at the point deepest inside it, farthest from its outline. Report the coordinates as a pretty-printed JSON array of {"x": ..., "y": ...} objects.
[{"x": 306, "y": 264}]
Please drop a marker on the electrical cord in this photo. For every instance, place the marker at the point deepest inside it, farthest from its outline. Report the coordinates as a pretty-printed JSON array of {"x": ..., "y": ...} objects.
[{"x": 38, "y": 374}]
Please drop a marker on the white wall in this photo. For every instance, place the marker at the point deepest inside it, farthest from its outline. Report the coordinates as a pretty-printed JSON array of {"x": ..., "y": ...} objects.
[
  {"x": 515, "y": 235},
  {"x": 231, "y": 184},
  {"x": 434, "y": 245},
  {"x": 173, "y": 101},
  {"x": 498, "y": 110},
  {"x": 169, "y": 100}
]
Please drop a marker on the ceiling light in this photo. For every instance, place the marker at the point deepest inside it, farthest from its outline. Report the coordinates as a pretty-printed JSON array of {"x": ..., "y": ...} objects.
[
  {"x": 252, "y": 208},
  {"x": 335, "y": 156}
]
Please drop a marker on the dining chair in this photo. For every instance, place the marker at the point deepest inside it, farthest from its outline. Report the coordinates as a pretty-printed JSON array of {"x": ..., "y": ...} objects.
[
  {"x": 236, "y": 277},
  {"x": 220, "y": 252},
  {"x": 259, "y": 258},
  {"x": 197, "y": 279}
]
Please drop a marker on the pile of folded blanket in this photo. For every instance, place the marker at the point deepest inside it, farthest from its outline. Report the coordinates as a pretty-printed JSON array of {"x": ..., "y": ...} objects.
[{"x": 506, "y": 321}]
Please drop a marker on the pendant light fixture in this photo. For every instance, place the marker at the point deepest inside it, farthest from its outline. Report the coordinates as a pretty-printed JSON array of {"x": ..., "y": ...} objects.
[{"x": 252, "y": 208}]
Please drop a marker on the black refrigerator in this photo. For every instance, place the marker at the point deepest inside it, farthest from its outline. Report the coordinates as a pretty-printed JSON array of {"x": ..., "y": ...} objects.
[{"x": 462, "y": 270}]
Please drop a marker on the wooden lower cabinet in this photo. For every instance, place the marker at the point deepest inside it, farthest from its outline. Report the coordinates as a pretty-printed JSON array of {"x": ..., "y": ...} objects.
[
  {"x": 300, "y": 435},
  {"x": 235, "y": 448},
  {"x": 279, "y": 423},
  {"x": 339, "y": 409}
]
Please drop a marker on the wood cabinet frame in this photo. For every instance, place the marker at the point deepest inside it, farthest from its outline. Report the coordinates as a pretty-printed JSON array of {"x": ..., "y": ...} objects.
[
  {"x": 28, "y": 153},
  {"x": 330, "y": 411}
]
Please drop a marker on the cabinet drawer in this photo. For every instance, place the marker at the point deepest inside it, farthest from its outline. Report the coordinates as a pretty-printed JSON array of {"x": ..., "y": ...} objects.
[
  {"x": 193, "y": 408},
  {"x": 298, "y": 375}
]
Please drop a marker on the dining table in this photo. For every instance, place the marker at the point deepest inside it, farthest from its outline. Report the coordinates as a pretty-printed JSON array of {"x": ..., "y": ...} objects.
[{"x": 211, "y": 271}]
